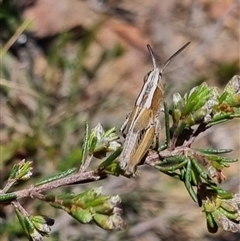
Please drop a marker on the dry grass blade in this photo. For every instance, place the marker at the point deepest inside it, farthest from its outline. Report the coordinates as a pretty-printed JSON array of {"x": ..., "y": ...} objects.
[
  {"x": 11, "y": 41},
  {"x": 6, "y": 83}
]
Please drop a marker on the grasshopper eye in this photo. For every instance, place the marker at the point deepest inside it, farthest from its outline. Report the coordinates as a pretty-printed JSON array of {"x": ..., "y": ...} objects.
[{"x": 146, "y": 77}]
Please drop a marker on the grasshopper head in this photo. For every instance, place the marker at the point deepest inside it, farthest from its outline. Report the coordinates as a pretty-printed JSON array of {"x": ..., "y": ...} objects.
[{"x": 169, "y": 59}]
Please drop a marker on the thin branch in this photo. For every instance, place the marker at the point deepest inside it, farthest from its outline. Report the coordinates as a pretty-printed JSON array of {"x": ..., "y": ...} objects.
[
  {"x": 201, "y": 128},
  {"x": 21, "y": 209},
  {"x": 77, "y": 178},
  {"x": 84, "y": 167},
  {"x": 9, "y": 184}
]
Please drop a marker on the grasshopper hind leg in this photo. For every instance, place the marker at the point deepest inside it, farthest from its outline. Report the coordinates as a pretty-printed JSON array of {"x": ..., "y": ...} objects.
[{"x": 156, "y": 139}]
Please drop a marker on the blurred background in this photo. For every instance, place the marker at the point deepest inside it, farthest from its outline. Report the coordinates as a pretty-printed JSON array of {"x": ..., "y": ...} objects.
[{"x": 68, "y": 62}]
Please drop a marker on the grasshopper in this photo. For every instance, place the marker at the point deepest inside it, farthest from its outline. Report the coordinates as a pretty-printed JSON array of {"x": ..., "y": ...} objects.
[{"x": 143, "y": 125}]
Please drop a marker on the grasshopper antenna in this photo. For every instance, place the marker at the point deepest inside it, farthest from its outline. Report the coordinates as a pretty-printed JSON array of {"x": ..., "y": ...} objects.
[
  {"x": 152, "y": 56},
  {"x": 174, "y": 55}
]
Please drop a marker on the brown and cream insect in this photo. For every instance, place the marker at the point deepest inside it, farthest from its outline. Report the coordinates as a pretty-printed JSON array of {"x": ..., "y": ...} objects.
[{"x": 142, "y": 125}]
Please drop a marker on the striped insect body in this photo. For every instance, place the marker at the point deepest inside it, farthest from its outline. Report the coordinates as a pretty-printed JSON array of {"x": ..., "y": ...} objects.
[{"x": 143, "y": 125}]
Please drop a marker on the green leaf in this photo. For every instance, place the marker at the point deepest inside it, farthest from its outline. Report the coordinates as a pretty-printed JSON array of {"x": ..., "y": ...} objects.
[
  {"x": 234, "y": 216},
  {"x": 82, "y": 215},
  {"x": 56, "y": 177},
  {"x": 230, "y": 205},
  {"x": 109, "y": 165},
  {"x": 85, "y": 144},
  {"x": 213, "y": 151},
  {"x": 222, "y": 193},
  {"x": 6, "y": 198},
  {"x": 220, "y": 159},
  {"x": 110, "y": 133},
  {"x": 21, "y": 219},
  {"x": 196, "y": 98},
  {"x": 187, "y": 182},
  {"x": 211, "y": 224}
]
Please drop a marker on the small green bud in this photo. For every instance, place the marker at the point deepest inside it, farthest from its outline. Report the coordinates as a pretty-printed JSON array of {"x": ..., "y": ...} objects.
[
  {"x": 223, "y": 222},
  {"x": 232, "y": 89},
  {"x": 88, "y": 195},
  {"x": 101, "y": 142},
  {"x": 21, "y": 171},
  {"x": 82, "y": 215},
  {"x": 35, "y": 235},
  {"x": 42, "y": 224},
  {"x": 107, "y": 205},
  {"x": 28, "y": 226},
  {"x": 225, "y": 212},
  {"x": 113, "y": 222},
  {"x": 177, "y": 100}
]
